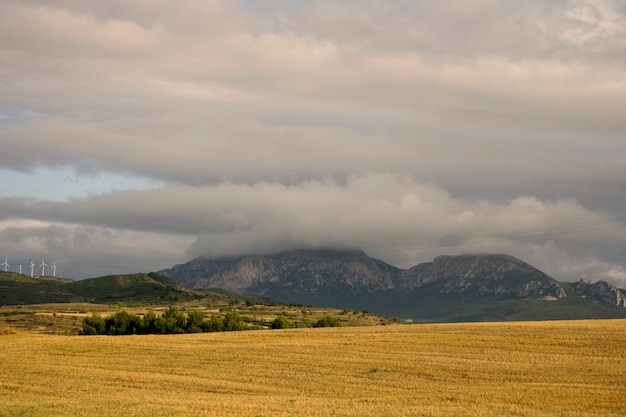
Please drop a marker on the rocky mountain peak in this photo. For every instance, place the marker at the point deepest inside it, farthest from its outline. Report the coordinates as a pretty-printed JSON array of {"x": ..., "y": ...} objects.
[
  {"x": 487, "y": 274},
  {"x": 317, "y": 272},
  {"x": 349, "y": 278},
  {"x": 302, "y": 271}
]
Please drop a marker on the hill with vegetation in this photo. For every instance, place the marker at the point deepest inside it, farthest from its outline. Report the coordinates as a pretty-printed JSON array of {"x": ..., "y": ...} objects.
[
  {"x": 134, "y": 288},
  {"x": 151, "y": 303},
  {"x": 130, "y": 288},
  {"x": 21, "y": 289}
]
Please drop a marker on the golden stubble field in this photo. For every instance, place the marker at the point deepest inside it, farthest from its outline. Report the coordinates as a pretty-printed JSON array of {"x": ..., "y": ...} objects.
[{"x": 575, "y": 368}]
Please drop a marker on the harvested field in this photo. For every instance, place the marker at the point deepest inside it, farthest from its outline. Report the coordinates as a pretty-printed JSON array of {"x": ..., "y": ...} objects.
[{"x": 569, "y": 368}]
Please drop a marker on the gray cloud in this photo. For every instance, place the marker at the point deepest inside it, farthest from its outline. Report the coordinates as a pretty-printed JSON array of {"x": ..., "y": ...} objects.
[
  {"x": 406, "y": 128},
  {"x": 396, "y": 218},
  {"x": 86, "y": 251}
]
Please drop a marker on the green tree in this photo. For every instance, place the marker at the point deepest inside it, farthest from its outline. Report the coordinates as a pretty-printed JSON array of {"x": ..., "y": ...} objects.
[
  {"x": 327, "y": 321},
  {"x": 214, "y": 324},
  {"x": 195, "y": 320},
  {"x": 233, "y": 322},
  {"x": 122, "y": 323},
  {"x": 93, "y": 325},
  {"x": 161, "y": 325},
  {"x": 174, "y": 321},
  {"x": 281, "y": 322},
  {"x": 148, "y": 323}
]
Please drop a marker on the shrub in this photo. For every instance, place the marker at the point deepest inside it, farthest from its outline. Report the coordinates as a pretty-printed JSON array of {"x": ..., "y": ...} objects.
[
  {"x": 281, "y": 322},
  {"x": 93, "y": 325},
  {"x": 233, "y": 322},
  {"x": 122, "y": 323},
  {"x": 215, "y": 324},
  {"x": 327, "y": 321},
  {"x": 195, "y": 320},
  {"x": 172, "y": 321},
  {"x": 149, "y": 323}
]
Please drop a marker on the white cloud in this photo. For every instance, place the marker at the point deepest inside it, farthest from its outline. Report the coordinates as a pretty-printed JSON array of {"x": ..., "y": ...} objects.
[{"x": 398, "y": 219}]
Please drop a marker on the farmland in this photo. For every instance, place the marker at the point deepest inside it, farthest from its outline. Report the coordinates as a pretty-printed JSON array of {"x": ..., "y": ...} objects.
[
  {"x": 569, "y": 368},
  {"x": 66, "y": 318}
]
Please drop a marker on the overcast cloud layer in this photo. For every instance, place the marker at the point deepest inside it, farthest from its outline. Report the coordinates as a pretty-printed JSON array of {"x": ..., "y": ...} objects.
[{"x": 137, "y": 135}]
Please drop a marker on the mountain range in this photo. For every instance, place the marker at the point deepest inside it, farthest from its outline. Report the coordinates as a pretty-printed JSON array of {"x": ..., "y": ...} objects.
[
  {"x": 484, "y": 287},
  {"x": 474, "y": 287}
]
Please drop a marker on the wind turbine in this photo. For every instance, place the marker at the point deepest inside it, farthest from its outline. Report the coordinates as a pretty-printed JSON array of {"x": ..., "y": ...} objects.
[
  {"x": 32, "y": 266},
  {"x": 43, "y": 267},
  {"x": 5, "y": 264},
  {"x": 54, "y": 269},
  {"x": 20, "y": 269}
]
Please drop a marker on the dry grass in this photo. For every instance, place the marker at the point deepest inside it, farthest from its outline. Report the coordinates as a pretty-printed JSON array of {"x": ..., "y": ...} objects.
[
  {"x": 510, "y": 369},
  {"x": 6, "y": 330}
]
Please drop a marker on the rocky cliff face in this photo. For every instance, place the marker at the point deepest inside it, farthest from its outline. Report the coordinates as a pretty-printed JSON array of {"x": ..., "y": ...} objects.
[
  {"x": 322, "y": 272},
  {"x": 501, "y": 275},
  {"x": 602, "y": 291},
  {"x": 541, "y": 289},
  {"x": 465, "y": 287},
  {"x": 301, "y": 271}
]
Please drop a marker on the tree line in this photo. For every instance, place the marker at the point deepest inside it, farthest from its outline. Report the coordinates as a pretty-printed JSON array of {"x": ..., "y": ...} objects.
[{"x": 174, "y": 321}]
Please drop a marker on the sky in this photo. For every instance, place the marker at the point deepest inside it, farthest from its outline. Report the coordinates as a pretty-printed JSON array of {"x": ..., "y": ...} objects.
[{"x": 136, "y": 135}]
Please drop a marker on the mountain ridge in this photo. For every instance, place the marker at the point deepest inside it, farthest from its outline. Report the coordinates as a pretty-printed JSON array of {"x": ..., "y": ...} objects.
[
  {"x": 18, "y": 289},
  {"x": 483, "y": 287},
  {"x": 448, "y": 285}
]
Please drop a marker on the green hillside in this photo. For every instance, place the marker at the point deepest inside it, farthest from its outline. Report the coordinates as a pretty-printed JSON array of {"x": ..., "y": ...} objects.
[
  {"x": 20, "y": 289},
  {"x": 15, "y": 277},
  {"x": 133, "y": 287}
]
